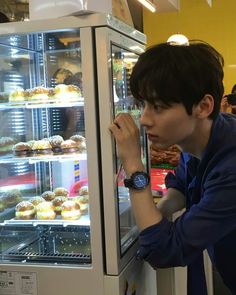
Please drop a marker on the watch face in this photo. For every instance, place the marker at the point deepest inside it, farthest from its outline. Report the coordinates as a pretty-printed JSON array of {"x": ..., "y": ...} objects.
[{"x": 140, "y": 181}]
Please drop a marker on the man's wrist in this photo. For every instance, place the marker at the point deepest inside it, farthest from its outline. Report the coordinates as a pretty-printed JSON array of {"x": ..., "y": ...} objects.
[{"x": 134, "y": 168}]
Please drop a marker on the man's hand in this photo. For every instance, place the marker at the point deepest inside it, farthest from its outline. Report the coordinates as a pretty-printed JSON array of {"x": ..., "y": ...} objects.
[{"x": 127, "y": 138}]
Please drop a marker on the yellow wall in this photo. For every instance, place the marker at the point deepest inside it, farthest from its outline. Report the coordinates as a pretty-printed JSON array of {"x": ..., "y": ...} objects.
[{"x": 215, "y": 25}]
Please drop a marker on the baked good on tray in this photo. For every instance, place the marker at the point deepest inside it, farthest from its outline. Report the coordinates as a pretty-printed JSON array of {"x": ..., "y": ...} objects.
[
  {"x": 22, "y": 149},
  {"x": 83, "y": 191},
  {"x": 57, "y": 203},
  {"x": 61, "y": 191},
  {"x": 25, "y": 210},
  {"x": 11, "y": 198},
  {"x": 2, "y": 205},
  {"x": 69, "y": 146},
  {"x": 39, "y": 94},
  {"x": 83, "y": 202},
  {"x": 6, "y": 144},
  {"x": 80, "y": 141},
  {"x": 44, "y": 211},
  {"x": 48, "y": 196},
  {"x": 17, "y": 95},
  {"x": 56, "y": 141},
  {"x": 36, "y": 200},
  {"x": 42, "y": 147},
  {"x": 67, "y": 92},
  {"x": 70, "y": 210}
]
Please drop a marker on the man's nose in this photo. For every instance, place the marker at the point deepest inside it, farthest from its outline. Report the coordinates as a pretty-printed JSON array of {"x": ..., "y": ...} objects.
[{"x": 146, "y": 117}]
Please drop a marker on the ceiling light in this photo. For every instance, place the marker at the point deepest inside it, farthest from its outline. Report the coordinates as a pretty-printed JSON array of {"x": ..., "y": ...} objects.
[
  {"x": 178, "y": 39},
  {"x": 148, "y": 4}
]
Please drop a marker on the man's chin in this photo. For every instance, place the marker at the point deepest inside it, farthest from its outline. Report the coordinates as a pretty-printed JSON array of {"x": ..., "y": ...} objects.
[{"x": 161, "y": 146}]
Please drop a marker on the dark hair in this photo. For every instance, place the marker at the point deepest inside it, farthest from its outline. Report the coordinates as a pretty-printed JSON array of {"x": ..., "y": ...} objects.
[
  {"x": 233, "y": 89},
  {"x": 179, "y": 74},
  {"x": 4, "y": 18}
]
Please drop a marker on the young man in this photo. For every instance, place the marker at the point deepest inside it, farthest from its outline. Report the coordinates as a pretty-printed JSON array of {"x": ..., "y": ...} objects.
[{"x": 181, "y": 88}]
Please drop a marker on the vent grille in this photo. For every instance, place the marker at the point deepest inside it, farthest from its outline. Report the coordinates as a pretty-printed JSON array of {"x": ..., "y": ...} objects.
[{"x": 76, "y": 258}]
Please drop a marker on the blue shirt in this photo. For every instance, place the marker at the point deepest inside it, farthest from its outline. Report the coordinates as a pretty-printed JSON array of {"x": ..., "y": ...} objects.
[{"x": 210, "y": 218}]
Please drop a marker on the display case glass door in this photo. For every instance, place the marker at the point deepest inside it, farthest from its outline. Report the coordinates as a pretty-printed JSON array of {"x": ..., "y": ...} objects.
[
  {"x": 44, "y": 187},
  {"x": 114, "y": 69},
  {"x": 123, "y": 62}
]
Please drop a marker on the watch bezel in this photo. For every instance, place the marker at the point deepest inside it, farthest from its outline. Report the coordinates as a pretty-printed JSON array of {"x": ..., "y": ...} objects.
[{"x": 130, "y": 182}]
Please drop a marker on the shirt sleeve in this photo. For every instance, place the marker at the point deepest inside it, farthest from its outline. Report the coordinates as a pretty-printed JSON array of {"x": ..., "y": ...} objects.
[
  {"x": 169, "y": 244},
  {"x": 177, "y": 179}
]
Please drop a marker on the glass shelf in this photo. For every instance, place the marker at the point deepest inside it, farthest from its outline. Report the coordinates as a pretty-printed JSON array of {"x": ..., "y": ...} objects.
[
  {"x": 83, "y": 221},
  {"x": 46, "y": 158},
  {"x": 47, "y": 104}
]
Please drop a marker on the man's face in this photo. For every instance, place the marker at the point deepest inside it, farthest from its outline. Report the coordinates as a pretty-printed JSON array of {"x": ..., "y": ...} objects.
[{"x": 166, "y": 126}]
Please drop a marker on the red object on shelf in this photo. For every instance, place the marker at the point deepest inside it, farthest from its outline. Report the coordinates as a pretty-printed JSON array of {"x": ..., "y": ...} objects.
[
  {"x": 77, "y": 185},
  {"x": 158, "y": 180}
]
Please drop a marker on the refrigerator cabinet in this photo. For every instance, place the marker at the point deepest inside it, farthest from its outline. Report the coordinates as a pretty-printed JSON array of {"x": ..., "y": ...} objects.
[{"x": 91, "y": 57}]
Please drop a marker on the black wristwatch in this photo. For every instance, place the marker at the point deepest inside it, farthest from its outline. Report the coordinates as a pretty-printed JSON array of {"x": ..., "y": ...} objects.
[{"x": 138, "y": 180}]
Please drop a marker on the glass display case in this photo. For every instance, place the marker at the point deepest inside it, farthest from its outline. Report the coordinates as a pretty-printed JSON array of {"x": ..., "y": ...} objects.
[{"x": 63, "y": 204}]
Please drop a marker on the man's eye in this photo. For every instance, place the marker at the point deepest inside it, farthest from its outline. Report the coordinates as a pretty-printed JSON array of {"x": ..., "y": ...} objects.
[
  {"x": 141, "y": 104},
  {"x": 157, "y": 107}
]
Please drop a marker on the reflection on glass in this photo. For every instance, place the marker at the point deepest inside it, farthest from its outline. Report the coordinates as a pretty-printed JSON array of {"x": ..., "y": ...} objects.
[
  {"x": 123, "y": 62},
  {"x": 44, "y": 189}
]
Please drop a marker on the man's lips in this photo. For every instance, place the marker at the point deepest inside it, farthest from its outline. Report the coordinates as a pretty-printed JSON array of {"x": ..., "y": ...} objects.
[{"x": 152, "y": 137}]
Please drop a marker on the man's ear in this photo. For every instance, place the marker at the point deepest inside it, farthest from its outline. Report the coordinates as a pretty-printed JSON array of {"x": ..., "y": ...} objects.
[{"x": 205, "y": 107}]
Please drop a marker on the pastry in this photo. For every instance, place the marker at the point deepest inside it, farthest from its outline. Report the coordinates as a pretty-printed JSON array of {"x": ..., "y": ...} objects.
[
  {"x": 11, "y": 198},
  {"x": 51, "y": 93},
  {"x": 81, "y": 142},
  {"x": 27, "y": 94},
  {"x": 61, "y": 92},
  {"x": 39, "y": 94},
  {"x": 42, "y": 147},
  {"x": 48, "y": 196},
  {"x": 25, "y": 210},
  {"x": 83, "y": 191},
  {"x": 44, "y": 211},
  {"x": 70, "y": 210},
  {"x": 21, "y": 149},
  {"x": 17, "y": 95},
  {"x": 61, "y": 191},
  {"x": 4, "y": 97},
  {"x": 57, "y": 203},
  {"x": 83, "y": 201},
  {"x": 74, "y": 92},
  {"x": 56, "y": 141},
  {"x": 36, "y": 200},
  {"x": 31, "y": 143},
  {"x": 2, "y": 205},
  {"x": 69, "y": 146},
  {"x": 67, "y": 92},
  {"x": 6, "y": 144}
]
